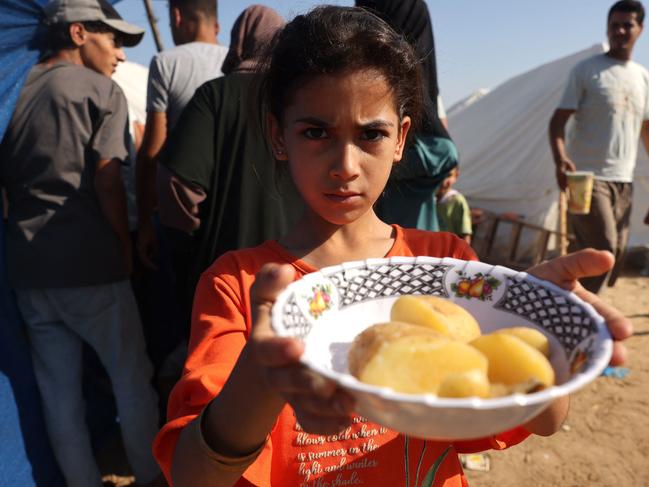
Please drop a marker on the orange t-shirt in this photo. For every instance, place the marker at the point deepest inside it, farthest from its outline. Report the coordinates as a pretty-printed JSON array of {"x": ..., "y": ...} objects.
[{"x": 365, "y": 453}]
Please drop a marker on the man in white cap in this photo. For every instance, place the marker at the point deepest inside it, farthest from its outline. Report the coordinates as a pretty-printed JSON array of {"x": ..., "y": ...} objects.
[{"x": 68, "y": 245}]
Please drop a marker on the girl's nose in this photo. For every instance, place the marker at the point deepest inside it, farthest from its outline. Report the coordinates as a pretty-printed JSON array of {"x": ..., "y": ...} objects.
[{"x": 346, "y": 166}]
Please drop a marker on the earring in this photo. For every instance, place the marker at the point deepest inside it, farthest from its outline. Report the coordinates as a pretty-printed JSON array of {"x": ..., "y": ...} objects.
[{"x": 279, "y": 152}]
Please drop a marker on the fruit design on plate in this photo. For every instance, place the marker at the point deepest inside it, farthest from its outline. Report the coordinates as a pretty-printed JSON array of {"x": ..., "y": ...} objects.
[
  {"x": 435, "y": 346},
  {"x": 319, "y": 300},
  {"x": 480, "y": 286}
]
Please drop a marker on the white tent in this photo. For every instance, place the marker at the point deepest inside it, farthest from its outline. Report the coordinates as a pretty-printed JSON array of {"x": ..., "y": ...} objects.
[
  {"x": 467, "y": 101},
  {"x": 505, "y": 159}
]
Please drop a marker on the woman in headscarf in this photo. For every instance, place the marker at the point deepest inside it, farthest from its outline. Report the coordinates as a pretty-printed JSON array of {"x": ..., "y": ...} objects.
[
  {"x": 409, "y": 197},
  {"x": 213, "y": 181}
]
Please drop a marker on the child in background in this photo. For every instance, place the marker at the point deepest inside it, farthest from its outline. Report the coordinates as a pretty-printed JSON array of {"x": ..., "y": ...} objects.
[
  {"x": 342, "y": 91},
  {"x": 453, "y": 211}
]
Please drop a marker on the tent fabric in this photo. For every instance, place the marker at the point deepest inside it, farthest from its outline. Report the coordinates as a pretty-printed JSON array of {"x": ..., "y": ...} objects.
[
  {"x": 20, "y": 39},
  {"x": 505, "y": 160},
  {"x": 27, "y": 460}
]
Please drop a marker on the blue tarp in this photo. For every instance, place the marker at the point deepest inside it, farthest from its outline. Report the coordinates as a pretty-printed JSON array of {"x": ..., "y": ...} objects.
[
  {"x": 20, "y": 40},
  {"x": 27, "y": 459},
  {"x": 25, "y": 455}
]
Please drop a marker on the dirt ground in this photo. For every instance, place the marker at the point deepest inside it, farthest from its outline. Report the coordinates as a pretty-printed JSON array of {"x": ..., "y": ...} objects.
[{"x": 604, "y": 443}]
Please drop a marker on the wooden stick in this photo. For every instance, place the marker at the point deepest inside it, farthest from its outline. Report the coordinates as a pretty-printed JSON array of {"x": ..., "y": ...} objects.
[
  {"x": 153, "y": 22},
  {"x": 563, "y": 223}
]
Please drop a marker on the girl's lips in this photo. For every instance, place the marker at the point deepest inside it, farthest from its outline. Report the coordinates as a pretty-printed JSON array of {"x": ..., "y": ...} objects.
[{"x": 342, "y": 197}]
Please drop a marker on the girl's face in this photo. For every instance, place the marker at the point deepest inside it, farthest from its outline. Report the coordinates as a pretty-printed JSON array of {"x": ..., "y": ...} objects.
[{"x": 341, "y": 134}]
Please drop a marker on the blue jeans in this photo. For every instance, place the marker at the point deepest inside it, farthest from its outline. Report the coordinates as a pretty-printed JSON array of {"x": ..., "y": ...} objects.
[{"x": 58, "y": 322}]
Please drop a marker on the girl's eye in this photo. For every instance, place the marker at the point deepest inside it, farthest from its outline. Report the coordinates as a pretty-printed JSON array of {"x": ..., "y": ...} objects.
[
  {"x": 372, "y": 135},
  {"x": 315, "y": 133}
]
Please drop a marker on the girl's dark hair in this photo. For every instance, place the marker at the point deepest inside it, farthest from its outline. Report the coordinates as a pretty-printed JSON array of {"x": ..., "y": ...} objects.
[
  {"x": 59, "y": 34},
  {"x": 332, "y": 40}
]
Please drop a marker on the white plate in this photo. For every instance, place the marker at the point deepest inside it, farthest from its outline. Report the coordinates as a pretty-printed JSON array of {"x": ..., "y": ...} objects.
[{"x": 327, "y": 309}]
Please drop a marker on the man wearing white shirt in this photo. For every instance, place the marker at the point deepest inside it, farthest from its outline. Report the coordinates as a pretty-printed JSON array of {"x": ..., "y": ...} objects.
[{"x": 608, "y": 96}]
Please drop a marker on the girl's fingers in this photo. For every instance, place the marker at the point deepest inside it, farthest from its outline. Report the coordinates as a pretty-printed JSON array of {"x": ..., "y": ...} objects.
[
  {"x": 269, "y": 282},
  {"x": 564, "y": 271},
  {"x": 618, "y": 325}
]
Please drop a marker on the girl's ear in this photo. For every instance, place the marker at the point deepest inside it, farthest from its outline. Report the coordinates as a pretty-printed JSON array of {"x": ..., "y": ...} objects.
[
  {"x": 276, "y": 138},
  {"x": 401, "y": 138}
]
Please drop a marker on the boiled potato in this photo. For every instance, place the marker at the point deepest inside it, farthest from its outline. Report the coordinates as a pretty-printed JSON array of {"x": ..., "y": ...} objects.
[
  {"x": 440, "y": 314},
  {"x": 367, "y": 343},
  {"x": 512, "y": 361},
  {"x": 465, "y": 384},
  {"x": 412, "y": 359},
  {"x": 530, "y": 336}
]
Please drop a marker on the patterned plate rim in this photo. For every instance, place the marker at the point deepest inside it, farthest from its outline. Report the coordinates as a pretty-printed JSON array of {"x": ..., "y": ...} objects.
[{"x": 601, "y": 358}]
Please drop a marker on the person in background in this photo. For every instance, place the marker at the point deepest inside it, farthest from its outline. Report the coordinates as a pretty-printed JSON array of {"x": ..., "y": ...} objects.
[
  {"x": 217, "y": 179},
  {"x": 607, "y": 95},
  {"x": 453, "y": 210},
  {"x": 174, "y": 75},
  {"x": 409, "y": 197},
  {"x": 68, "y": 245}
]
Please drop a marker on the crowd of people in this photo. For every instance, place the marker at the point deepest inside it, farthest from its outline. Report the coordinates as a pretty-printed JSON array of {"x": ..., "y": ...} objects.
[{"x": 302, "y": 145}]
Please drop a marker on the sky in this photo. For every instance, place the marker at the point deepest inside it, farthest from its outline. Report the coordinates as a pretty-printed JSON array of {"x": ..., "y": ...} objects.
[{"x": 479, "y": 43}]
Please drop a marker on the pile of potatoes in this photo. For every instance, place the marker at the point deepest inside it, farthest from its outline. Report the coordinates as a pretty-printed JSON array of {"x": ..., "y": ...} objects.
[{"x": 432, "y": 345}]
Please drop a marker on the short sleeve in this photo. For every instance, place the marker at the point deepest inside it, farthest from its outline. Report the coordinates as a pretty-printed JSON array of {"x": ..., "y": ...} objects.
[
  {"x": 572, "y": 92},
  {"x": 111, "y": 136},
  {"x": 190, "y": 152},
  {"x": 157, "y": 92}
]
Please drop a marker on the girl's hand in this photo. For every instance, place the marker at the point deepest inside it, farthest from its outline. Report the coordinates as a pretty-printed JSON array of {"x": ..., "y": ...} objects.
[
  {"x": 565, "y": 272},
  {"x": 320, "y": 406}
]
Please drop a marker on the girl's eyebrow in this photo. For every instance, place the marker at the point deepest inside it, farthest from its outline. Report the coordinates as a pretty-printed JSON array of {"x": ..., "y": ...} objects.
[{"x": 373, "y": 124}]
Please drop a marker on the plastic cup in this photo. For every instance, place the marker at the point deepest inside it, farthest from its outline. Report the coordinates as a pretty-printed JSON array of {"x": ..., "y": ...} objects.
[{"x": 580, "y": 191}]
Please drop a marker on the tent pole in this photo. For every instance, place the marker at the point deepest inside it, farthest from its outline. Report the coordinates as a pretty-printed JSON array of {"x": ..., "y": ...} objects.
[
  {"x": 154, "y": 25},
  {"x": 563, "y": 223}
]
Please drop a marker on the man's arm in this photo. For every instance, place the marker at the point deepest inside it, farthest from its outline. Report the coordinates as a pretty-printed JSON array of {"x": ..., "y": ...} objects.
[
  {"x": 155, "y": 134},
  {"x": 558, "y": 145},
  {"x": 109, "y": 188}
]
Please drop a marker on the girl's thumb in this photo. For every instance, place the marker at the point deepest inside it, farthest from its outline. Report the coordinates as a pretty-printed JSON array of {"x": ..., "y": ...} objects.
[{"x": 269, "y": 283}]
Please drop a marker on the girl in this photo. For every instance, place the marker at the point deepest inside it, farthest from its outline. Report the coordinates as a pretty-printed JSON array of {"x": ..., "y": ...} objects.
[{"x": 342, "y": 92}]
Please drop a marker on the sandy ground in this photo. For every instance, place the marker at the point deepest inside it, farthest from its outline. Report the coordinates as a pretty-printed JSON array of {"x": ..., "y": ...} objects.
[
  {"x": 605, "y": 440},
  {"x": 604, "y": 443}
]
